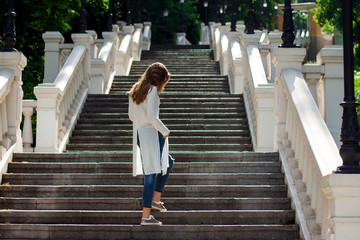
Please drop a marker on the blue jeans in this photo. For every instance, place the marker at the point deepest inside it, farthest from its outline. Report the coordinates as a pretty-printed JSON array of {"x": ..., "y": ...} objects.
[{"x": 155, "y": 182}]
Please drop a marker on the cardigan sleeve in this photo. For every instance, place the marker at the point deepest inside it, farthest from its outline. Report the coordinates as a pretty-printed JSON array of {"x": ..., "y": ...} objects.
[
  {"x": 130, "y": 111},
  {"x": 152, "y": 110}
]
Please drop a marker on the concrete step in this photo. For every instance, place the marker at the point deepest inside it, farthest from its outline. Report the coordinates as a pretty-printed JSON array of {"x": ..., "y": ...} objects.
[
  {"x": 190, "y": 88},
  {"x": 193, "y": 121},
  {"x": 127, "y": 157},
  {"x": 45, "y": 191},
  {"x": 175, "y": 78},
  {"x": 182, "y": 72},
  {"x": 165, "y": 110},
  {"x": 173, "y": 133},
  {"x": 167, "y": 104},
  {"x": 165, "y": 232},
  {"x": 168, "y": 47},
  {"x": 180, "y": 84},
  {"x": 206, "y": 97},
  {"x": 218, "y": 217},
  {"x": 171, "y": 62},
  {"x": 126, "y": 167},
  {"x": 178, "y": 115},
  {"x": 189, "y": 203},
  {"x": 175, "y": 140},
  {"x": 104, "y": 126},
  {"x": 127, "y": 178},
  {"x": 174, "y": 146}
]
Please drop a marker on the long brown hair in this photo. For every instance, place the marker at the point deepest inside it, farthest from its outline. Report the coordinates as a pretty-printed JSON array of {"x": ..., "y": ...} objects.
[{"x": 157, "y": 75}]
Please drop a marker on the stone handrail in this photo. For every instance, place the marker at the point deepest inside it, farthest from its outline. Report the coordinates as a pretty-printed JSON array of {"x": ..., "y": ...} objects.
[
  {"x": 103, "y": 66},
  {"x": 59, "y": 104},
  {"x": 259, "y": 98},
  {"x": 307, "y": 149},
  {"x": 236, "y": 73},
  {"x": 146, "y": 42},
  {"x": 137, "y": 41},
  {"x": 11, "y": 66},
  {"x": 124, "y": 56}
]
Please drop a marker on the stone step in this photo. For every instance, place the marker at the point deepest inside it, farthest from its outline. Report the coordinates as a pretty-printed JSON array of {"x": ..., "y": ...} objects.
[
  {"x": 83, "y": 126},
  {"x": 190, "y": 66},
  {"x": 175, "y": 140},
  {"x": 174, "y": 232},
  {"x": 176, "y": 62},
  {"x": 126, "y": 167},
  {"x": 173, "y": 133},
  {"x": 215, "y": 86},
  {"x": 174, "y": 78},
  {"x": 178, "y": 115},
  {"x": 165, "y": 110},
  {"x": 181, "y": 71},
  {"x": 218, "y": 217},
  {"x": 178, "y": 83},
  {"x": 174, "y": 146},
  {"x": 167, "y": 104},
  {"x": 181, "y": 56},
  {"x": 206, "y": 97},
  {"x": 121, "y": 179},
  {"x": 45, "y": 191},
  {"x": 180, "y": 203},
  {"x": 168, "y": 47},
  {"x": 183, "y": 156},
  {"x": 166, "y": 121}
]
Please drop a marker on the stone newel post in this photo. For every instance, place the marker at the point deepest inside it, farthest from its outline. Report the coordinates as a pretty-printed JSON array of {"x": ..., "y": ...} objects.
[{"x": 52, "y": 55}]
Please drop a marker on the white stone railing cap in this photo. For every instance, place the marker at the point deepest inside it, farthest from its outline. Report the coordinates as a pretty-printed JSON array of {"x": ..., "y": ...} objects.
[
  {"x": 13, "y": 60},
  {"x": 53, "y": 37},
  {"x": 330, "y": 53},
  {"x": 92, "y": 33},
  {"x": 115, "y": 28},
  {"x": 109, "y": 35},
  {"x": 29, "y": 103},
  {"x": 138, "y": 25},
  {"x": 313, "y": 68}
]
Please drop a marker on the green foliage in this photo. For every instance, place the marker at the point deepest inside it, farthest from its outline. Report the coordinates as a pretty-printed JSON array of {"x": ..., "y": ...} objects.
[
  {"x": 357, "y": 91},
  {"x": 329, "y": 16},
  {"x": 34, "y": 17}
]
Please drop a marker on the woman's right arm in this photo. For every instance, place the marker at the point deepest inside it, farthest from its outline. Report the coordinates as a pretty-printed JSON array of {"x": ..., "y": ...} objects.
[{"x": 152, "y": 110}]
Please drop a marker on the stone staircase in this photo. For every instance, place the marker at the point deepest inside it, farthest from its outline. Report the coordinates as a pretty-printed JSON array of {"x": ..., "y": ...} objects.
[{"x": 218, "y": 189}]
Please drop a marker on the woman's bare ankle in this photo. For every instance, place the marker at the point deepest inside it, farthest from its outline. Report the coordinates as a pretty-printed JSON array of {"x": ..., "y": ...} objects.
[
  {"x": 157, "y": 196},
  {"x": 146, "y": 212}
]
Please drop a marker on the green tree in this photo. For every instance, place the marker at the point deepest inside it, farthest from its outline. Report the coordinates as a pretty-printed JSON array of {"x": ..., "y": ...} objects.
[
  {"x": 34, "y": 17},
  {"x": 329, "y": 16}
]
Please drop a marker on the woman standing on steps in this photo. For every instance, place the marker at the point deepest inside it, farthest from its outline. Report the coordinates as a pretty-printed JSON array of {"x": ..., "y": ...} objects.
[{"x": 150, "y": 138}]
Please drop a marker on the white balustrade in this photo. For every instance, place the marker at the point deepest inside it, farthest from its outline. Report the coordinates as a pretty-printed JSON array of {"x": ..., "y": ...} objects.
[
  {"x": 326, "y": 204},
  {"x": 308, "y": 149},
  {"x": 60, "y": 103},
  {"x": 11, "y": 94}
]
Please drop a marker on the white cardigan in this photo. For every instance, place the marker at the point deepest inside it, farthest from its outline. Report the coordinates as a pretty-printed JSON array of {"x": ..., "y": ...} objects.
[{"x": 146, "y": 122}]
